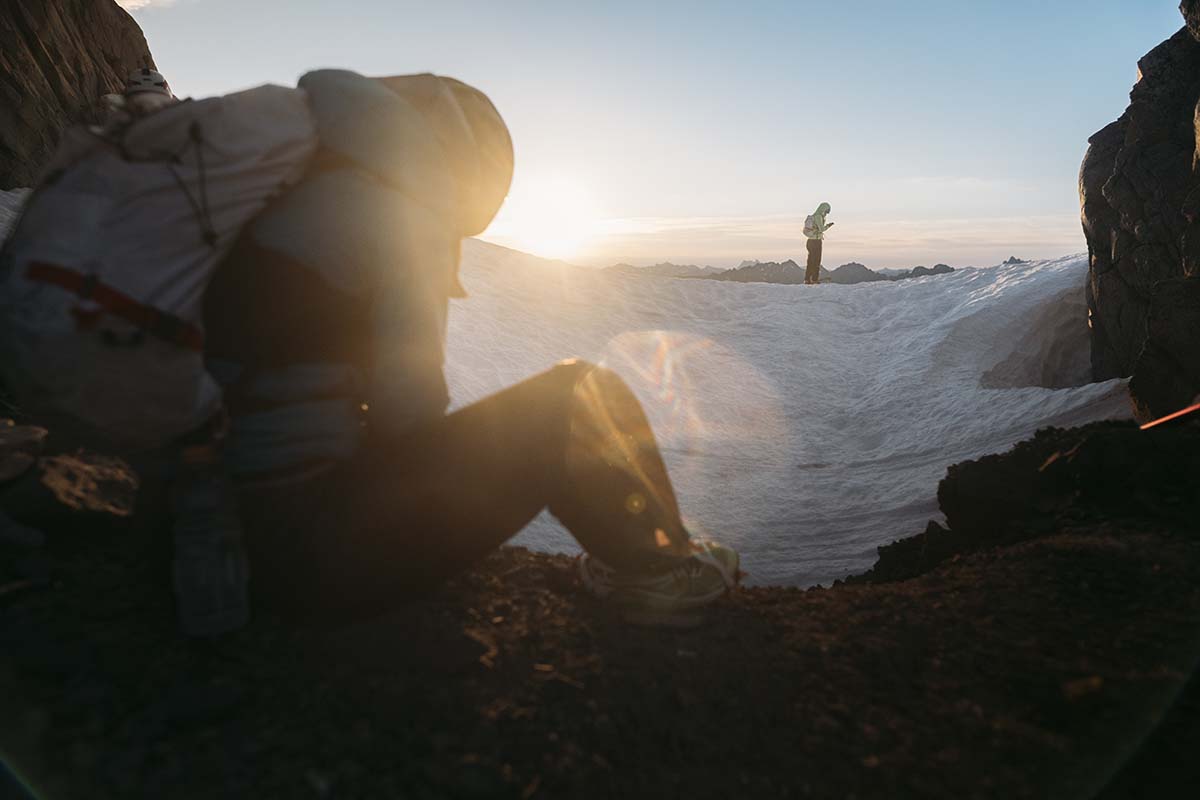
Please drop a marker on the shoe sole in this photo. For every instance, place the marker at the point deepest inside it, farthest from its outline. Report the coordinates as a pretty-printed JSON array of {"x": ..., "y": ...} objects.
[{"x": 651, "y": 604}]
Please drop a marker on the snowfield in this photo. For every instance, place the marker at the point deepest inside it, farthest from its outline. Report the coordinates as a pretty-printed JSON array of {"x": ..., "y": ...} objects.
[{"x": 805, "y": 426}]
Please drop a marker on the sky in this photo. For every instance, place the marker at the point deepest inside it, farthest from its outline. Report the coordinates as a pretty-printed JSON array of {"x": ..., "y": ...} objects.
[{"x": 704, "y": 132}]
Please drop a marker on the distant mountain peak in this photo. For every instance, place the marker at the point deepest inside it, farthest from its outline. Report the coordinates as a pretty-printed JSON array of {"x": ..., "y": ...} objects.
[
  {"x": 855, "y": 272},
  {"x": 787, "y": 272},
  {"x": 665, "y": 269}
]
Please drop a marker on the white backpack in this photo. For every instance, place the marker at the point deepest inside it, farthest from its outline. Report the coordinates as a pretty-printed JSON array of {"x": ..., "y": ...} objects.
[
  {"x": 102, "y": 278},
  {"x": 810, "y": 226}
]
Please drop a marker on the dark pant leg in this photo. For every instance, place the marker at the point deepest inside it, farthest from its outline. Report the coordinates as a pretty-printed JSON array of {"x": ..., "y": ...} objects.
[
  {"x": 406, "y": 514},
  {"x": 812, "y": 274}
]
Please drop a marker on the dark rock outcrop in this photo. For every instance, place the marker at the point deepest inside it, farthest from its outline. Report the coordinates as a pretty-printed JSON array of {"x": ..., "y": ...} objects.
[
  {"x": 57, "y": 58},
  {"x": 1106, "y": 473},
  {"x": 1140, "y": 202}
]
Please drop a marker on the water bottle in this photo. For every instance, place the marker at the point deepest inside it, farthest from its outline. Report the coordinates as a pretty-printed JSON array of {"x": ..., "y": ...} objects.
[{"x": 210, "y": 569}]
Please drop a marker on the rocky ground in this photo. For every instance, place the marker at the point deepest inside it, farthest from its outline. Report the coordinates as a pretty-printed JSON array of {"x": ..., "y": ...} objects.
[{"x": 1029, "y": 650}]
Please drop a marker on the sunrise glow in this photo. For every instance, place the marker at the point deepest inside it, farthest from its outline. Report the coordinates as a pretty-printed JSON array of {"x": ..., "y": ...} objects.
[{"x": 553, "y": 216}]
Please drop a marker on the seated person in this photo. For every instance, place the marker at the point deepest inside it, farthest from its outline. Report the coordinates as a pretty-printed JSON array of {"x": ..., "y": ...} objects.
[{"x": 326, "y": 326}]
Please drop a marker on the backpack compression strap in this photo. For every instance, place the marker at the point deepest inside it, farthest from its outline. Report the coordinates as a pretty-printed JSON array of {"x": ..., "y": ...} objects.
[{"x": 157, "y": 323}]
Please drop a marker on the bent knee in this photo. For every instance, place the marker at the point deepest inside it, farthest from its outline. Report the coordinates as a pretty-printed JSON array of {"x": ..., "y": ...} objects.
[
  {"x": 578, "y": 378},
  {"x": 576, "y": 371},
  {"x": 573, "y": 370}
]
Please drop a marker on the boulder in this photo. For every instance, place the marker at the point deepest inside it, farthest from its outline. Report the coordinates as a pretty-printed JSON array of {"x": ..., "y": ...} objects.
[
  {"x": 1078, "y": 479},
  {"x": 57, "y": 59},
  {"x": 1139, "y": 193}
]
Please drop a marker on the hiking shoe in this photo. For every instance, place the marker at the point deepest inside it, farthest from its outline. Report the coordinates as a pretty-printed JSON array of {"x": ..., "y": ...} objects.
[{"x": 709, "y": 572}]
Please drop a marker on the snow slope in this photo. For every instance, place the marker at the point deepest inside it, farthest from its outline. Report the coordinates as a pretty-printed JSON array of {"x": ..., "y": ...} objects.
[{"x": 804, "y": 425}]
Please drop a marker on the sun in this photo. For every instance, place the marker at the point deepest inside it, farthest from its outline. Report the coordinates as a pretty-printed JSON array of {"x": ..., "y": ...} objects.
[{"x": 553, "y": 216}]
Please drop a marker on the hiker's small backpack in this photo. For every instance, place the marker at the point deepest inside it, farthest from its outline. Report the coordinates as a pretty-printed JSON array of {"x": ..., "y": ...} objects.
[
  {"x": 102, "y": 278},
  {"x": 810, "y": 226}
]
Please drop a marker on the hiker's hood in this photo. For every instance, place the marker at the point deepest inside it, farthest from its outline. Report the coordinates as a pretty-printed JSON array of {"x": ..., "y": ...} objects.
[
  {"x": 823, "y": 209},
  {"x": 475, "y": 139},
  {"x": 438, "y": 140}
]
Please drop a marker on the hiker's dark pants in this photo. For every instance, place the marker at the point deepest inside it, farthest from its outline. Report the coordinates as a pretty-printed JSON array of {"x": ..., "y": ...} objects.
[
  {"x": 812, "y": 273},
  {"x": 407, "y": 513}
]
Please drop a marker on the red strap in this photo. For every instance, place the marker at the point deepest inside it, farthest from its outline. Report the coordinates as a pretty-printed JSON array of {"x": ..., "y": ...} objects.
[
  {"x": 1183, "y": 412},
  {"x": 158, "y": 323}
]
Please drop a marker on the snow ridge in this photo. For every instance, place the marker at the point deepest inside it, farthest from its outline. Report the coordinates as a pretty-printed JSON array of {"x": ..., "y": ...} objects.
[{"x": 804, "y": 425}]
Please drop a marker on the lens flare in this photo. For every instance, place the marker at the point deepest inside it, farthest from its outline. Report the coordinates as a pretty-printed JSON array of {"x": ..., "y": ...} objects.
[
  {"x": 553, "y": 216},
  {"x": 685, "y": 383}
]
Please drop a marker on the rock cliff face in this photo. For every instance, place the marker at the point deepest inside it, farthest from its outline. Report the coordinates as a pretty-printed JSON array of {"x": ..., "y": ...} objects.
[
  {"x": 57, "y": 57},
  {"x": 1139, "y": 189}
]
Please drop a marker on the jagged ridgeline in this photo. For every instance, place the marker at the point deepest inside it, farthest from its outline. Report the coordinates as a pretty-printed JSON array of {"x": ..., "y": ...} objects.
[{"x": 786, "y": 272}]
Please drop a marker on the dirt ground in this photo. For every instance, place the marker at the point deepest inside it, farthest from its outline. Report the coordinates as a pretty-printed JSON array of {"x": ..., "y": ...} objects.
[{"x": 1044, "y": 666}]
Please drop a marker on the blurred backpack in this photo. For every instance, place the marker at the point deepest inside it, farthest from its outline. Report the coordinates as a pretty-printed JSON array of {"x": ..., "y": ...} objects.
[{"x": 102, "y": 278}]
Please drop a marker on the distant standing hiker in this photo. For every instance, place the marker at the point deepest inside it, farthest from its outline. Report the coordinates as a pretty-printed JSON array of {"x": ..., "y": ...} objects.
[{"x": 814, "y": 230}]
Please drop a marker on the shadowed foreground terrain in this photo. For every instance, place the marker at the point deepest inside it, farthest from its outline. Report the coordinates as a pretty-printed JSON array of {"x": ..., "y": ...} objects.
[{"x": 1029, "y": 656}]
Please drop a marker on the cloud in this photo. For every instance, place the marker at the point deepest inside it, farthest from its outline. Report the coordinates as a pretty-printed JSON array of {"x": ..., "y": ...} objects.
[{"x": 134, "y": 5}]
